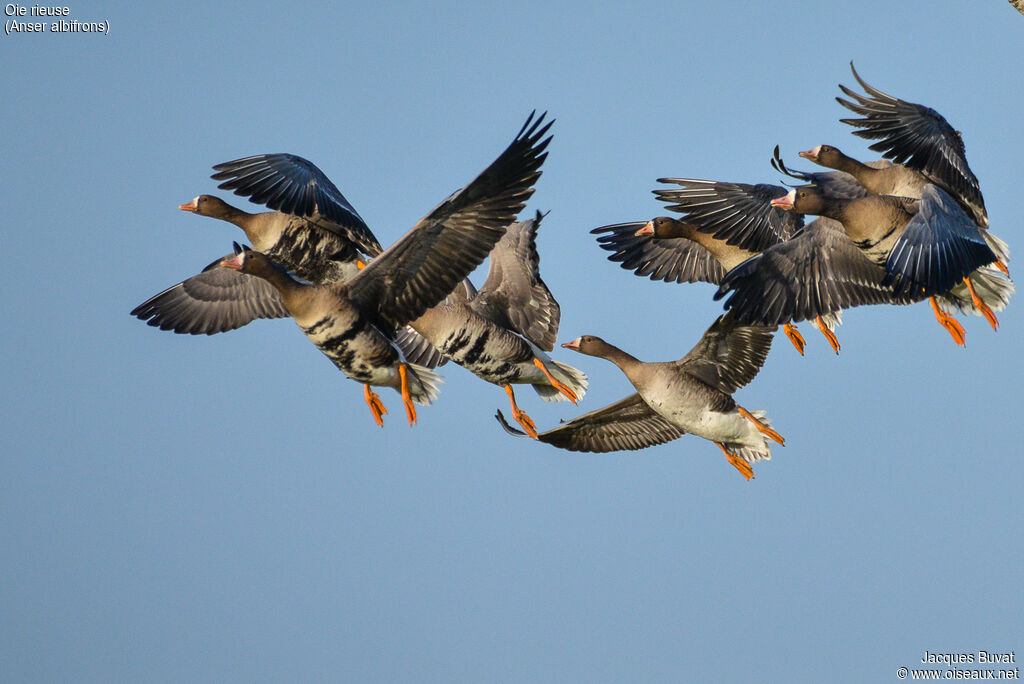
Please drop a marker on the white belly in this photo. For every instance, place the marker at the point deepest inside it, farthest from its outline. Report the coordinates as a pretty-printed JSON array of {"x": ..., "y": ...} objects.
[{"x": 694, "y": 416}]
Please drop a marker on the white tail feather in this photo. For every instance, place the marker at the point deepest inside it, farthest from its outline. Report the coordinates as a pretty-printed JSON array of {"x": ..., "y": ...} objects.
[
  {"x": 566, "y": 374},
  {"x": 998, "y": 247},
  {"x": 994, "y": 288},
  {"x": 751, "y": 454},
  {"x": 424, "y": 384}
]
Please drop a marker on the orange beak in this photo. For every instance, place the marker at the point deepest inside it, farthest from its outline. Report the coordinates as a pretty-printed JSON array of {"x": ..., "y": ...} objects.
[{"x": 648, "y": 229}]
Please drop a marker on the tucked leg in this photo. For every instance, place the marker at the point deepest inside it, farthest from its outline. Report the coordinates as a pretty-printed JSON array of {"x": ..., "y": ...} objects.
[
  {"x": 410, "y": 409},
  {"x": 795, "y": 337},
  {"x": 982, "y": 306},
  {"x": 745, "y": 470},
  {"x": 819, "y": 323},
  {"x": 375, "y": 404},
  {"x": 761, "y": 427},
  {"x": 560, "y": 386},
  {"x": 520, "y": 416},
  {"x": 950, "y": 324}
]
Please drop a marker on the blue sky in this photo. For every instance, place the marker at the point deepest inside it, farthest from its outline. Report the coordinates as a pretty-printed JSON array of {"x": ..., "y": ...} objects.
[{"x": 176, "y": 508}]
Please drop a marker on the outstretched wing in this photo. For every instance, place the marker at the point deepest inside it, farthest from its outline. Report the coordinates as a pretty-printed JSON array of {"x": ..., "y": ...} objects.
[
  {"x": 216, "y": 300},
  {"x": 293, "y": 185},
  {"x": 729, "y": 355},
  {"x": 626, "y": 425},
  {"x": 514, "y": 296},
  {"x": 940, "y": 246},
  {"x": 670, "y": 259},
  {"x": 919, "y": 137},
  {"x": 425, "y": 264},
  {"x": 739, "y": 213},
  {"x": 818, "y": 272}
]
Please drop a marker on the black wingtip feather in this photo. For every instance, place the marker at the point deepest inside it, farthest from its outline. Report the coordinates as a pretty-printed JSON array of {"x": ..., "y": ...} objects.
[{"x": 508, "y": 428}]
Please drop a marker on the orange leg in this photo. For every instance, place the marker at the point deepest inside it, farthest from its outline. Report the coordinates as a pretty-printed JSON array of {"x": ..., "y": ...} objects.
[
  {"x": 410, "y": 410},
  {"x": 795, "y": 337},
  {"x": 764, "y": 429},
  {"x": 520, "y": 416},
  {"x": 360, "y": 264},
  {"x": 982, "y": 306},
  {"x": 998, "y": 263},
  {"x": 737, "y": 462},
  {"x": 950, "y": 324},
  {"x": 829, "y": 335},
  {"x": 560, "y": 386},
  {"x": 375, "y": 404}
]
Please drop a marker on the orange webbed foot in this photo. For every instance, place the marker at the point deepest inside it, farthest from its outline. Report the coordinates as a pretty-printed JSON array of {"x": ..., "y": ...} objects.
[
  {"x": 738, "y": 463},
  {"x": 520, "y": 415},
  {"x": 528, "y": 425},
  {"x": 375, "y": 404},
  {"x": 950, "y": 324},
  {"x": 761, "y": 427},
  {"x": 795, "y": 337}
]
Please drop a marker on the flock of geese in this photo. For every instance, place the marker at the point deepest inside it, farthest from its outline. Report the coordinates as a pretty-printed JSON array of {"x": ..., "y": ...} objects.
[{"x": 900, "y": 230}]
